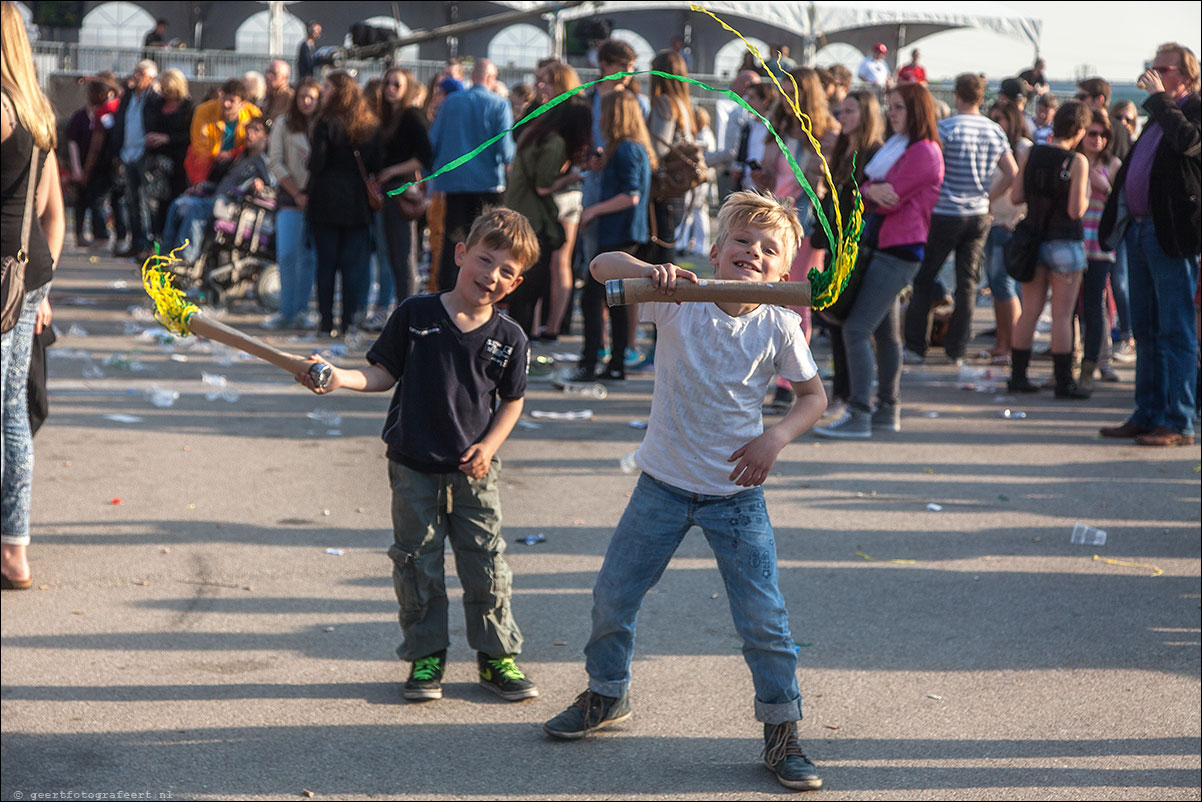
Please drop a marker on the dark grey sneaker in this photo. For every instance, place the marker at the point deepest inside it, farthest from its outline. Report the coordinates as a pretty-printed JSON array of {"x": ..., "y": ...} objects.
[
  {"x": 503, "y": 677},
  {"x": 425, "y": 677},
  {"x": 886, "y": 418},
  {"x": 784, "y": 758},
  {"x": 591, "y": 711}
]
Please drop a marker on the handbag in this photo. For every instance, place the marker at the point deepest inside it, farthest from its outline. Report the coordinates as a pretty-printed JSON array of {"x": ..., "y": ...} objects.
[
  {"x": 375, "y": 198},
  {"x": 682, "y": 168},
  {"x": 1020, "y": 254},
  {"x": 414, "y": 201},
  {"x": 12, "y": 273}
]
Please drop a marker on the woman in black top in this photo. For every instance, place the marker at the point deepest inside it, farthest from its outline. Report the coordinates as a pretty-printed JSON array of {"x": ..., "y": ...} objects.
[
  {"x": 406, "y": 151},
  {"x": 168, "y": 124},
  {"x": 1053, "y": 181},
  {"x": 339, "y": 215},
  {"x": 26, "y": 121}
]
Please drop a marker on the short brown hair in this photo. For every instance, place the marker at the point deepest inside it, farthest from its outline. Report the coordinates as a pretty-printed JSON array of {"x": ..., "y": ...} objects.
[
  {"x": 615, "y": 51},
  {"x": 1095, "y": 87},
  {"x": 1189, "y": 62},
  {"x": 505, "y": 230},
  {"x": 1070, "y": 118},
  {"x": 236, "y": 87},
  {"x": 970, "y": 87},
  {"x": 751, "y": 209},
  {"x": 841, "y": 74}
]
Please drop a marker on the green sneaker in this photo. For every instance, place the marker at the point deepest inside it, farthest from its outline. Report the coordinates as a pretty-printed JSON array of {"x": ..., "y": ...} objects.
[
  {"x": 784, "y": 758},
  {"x": 503, "y": 677},
  {"x": 425, "y": 677},
  {"x": 591, "y": 711}
]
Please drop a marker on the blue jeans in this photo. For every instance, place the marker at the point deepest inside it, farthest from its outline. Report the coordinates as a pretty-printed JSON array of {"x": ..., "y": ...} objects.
[
  {"x": 380, "y": 271},
  {"x": 740, "y": 534},
  {"x": 1093, "y": 299},
  {"x": 16, "y": 439},
  {"x": 1120, "y": 291},
  {"x": 1001, "y": 286},
  {"x": 875, "y": 317},
  {"x": 1162, "y": 320},
  {"x": 188, "y": 217},
  {"x": 297, "y": 259}
]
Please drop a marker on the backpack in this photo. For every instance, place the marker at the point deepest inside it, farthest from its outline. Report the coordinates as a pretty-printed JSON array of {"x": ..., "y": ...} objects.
[{"x": 682, "y": 168}]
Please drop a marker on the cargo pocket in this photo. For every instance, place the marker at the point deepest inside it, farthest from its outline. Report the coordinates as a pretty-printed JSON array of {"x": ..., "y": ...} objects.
[{"x": 408, "y": 585}]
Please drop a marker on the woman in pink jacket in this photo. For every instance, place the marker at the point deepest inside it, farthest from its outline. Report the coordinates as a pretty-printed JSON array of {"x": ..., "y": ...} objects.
[{"x": 903, "y": 184}]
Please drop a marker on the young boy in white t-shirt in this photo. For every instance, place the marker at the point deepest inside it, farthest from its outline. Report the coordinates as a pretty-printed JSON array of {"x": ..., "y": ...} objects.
[{"x": 704, "y": 457}]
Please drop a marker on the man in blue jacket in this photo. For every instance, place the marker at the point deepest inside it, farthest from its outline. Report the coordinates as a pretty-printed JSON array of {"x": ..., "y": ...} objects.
[
  {"x": 465, "y": 121},
  {"x": 1154, "y": 208}
]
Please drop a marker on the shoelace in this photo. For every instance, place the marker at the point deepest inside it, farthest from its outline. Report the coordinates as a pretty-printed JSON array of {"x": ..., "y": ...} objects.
[
  {"x": 593, "y": 705},
  {"x": 507, "y": 668},
  {"x": 783, "y": 744},
  {"x": 426, "y": 668}
]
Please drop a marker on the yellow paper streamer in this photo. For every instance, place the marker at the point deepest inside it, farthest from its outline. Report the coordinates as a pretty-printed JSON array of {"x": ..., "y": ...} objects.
[
  {"x": 171, "y": 308},
  {"x": 825, "y": 288},
  {"x": 1156, "y": 571}
]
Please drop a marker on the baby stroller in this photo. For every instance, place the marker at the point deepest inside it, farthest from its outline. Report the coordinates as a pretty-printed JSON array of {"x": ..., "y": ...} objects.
[{"x": 237, "y": 258}]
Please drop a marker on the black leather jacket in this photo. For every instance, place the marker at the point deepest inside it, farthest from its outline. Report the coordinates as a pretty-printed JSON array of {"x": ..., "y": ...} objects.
[{"x": 1175, "y": 181}]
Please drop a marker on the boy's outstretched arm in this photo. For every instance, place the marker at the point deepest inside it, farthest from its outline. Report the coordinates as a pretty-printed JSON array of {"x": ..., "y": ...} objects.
[
  {"x": 476, "y": 460},
  {"x": 371, "y": 379},
  {"x": 616, "y": 264},
  {"x": 755, "y": 460}
]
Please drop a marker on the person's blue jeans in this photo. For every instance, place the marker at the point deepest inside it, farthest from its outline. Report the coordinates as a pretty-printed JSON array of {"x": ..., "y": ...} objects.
[
  {"x": 380, "y": 270},
  {"x": 1001, "y": 286},
  {"x": 135, "y": 203},
  {"x": 188, "y": 217},
  {"x": 1093, "y": 299},
  {"x": 16, "y": 438},
  {"x": 297, "y": 259},
  {"x": 1119, "y": 289},
  {"x": 1162, "y": 320},
  {"x": 740, "y": 534}
]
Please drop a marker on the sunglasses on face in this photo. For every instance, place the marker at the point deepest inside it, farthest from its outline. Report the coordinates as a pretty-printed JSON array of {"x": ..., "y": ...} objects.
[
  {"x": 1163, "y": 70},
  {"x": 1084, "y": 96},
  {"x": 1101, "y": 134}
]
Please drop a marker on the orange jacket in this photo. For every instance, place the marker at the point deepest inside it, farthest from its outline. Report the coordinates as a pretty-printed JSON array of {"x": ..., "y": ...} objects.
[{"x": 208, "y": 132}]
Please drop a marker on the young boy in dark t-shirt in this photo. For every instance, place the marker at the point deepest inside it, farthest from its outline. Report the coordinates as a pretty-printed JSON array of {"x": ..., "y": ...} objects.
[{"x": 459, "y": 367}]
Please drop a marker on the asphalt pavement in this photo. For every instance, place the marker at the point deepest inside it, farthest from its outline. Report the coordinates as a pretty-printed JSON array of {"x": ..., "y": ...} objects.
[{"x": 212, "y": 614}]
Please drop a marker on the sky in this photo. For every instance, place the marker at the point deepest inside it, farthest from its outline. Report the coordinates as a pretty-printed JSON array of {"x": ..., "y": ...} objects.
[{"x": 1112, "y": 39}]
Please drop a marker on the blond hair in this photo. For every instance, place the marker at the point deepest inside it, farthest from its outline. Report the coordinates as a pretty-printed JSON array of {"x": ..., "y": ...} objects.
[
  {"x": 1189, "y": 62},
  {"x": 621, "y": 121},
  {"x": 173, "y": 80},
  {"x": 747, "y": 209},
  {"x": 503, "y": 229},
  {"x": 20, "y": 80}
]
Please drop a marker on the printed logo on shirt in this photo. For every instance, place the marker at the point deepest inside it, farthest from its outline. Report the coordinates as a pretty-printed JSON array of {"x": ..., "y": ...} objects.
[
  {"x": 498, "y": 352},
  {"x": 416, "y": 332}
]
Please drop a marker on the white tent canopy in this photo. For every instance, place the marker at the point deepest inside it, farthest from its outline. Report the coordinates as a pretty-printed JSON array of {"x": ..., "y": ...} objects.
[{"x": 860, "y": 24}]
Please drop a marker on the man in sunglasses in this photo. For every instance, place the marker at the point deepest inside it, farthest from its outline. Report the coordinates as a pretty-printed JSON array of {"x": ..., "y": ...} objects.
[
  {"x": 1094, "y": 92},
  {"x": 1161, "y": 230}
]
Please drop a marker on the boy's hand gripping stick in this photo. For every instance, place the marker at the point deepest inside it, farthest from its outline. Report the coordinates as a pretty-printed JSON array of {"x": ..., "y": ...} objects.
[{"x": 623, "y": 291}]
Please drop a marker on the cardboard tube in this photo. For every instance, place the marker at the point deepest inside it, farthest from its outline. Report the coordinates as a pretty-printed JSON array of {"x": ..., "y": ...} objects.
[
  {"x": 227, "y": 335},
  {"x": 623, "y": 291}
]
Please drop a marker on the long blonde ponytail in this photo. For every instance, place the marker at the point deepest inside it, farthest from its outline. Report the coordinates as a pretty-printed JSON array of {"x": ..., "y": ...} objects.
[{"x": 20, "y": 80}]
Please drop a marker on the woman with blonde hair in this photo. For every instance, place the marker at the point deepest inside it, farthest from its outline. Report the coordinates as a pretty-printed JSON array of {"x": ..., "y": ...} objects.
[
  {"x": 27, "y": 131},
  {"x": 168, "y": 134},
  {"x": 671, "y": 120},
  {"x": 622, "y": 222}
]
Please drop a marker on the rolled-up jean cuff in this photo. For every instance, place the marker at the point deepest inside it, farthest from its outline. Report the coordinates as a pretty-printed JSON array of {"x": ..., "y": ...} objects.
[
  {"x": 614, "y": 690},
  {"x": 14, "y": 540},
  {"x": 778, "y": 713}
]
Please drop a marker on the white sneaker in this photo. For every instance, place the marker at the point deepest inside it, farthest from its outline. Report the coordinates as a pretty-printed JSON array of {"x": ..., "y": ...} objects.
[
  {"x": 854, "y": 425},
  {"x": 1124, "y": 352}
]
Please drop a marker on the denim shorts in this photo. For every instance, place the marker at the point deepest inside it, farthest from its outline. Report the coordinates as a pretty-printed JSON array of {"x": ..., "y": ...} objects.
[{"x": 1064, "y": 256}]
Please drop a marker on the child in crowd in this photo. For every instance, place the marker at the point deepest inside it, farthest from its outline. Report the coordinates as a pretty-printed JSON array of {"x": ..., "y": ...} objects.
[
  {"x": 716, "y": 362},
  {"x": 459, "y": 367}
]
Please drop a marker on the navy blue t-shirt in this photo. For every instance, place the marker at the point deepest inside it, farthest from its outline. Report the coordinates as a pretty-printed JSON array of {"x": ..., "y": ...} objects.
[{"x": 448, "y": 381}]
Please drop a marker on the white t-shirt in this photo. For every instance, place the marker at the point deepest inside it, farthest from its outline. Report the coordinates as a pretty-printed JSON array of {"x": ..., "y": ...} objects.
[
  {"x": 712, "y": 372},
  {"x": 874, "y": 71}
]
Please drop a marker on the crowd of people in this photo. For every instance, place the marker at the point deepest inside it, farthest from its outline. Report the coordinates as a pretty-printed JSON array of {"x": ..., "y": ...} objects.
[{"x": 1067, "y": 203}]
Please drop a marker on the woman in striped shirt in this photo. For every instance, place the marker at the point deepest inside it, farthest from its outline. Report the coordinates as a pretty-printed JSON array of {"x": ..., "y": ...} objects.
[{"x": 1103, "y": 166}]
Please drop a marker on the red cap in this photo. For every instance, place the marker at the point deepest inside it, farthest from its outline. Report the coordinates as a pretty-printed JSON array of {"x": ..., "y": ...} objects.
[{"x": 880, "y": 48}]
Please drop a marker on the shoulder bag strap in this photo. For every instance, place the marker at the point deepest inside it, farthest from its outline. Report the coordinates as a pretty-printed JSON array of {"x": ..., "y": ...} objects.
[{"x": 30, "y": 191}]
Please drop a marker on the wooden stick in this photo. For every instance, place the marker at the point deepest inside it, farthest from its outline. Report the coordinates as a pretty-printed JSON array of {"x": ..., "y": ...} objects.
[
  {"x": 227, "y": 335},
  {"x": 623, "y": 291}
]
